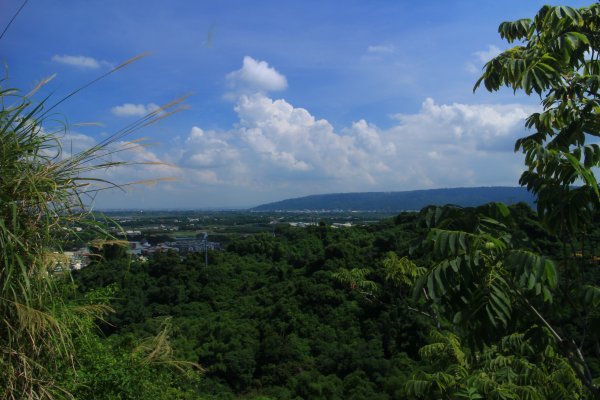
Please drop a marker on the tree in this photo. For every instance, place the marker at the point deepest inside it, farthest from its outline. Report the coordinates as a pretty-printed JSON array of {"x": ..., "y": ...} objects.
[
  {"x": 509, "y": 370},
  {"x": 560, "y": 61},
  {"x": 483, "y": 278}
]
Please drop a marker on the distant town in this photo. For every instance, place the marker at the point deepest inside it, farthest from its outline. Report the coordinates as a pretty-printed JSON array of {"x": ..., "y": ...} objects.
[{"x": 145, "y": 233}]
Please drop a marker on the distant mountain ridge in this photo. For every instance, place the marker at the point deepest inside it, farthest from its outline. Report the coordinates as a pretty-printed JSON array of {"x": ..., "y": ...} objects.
[{"x": 402, "y": 201}]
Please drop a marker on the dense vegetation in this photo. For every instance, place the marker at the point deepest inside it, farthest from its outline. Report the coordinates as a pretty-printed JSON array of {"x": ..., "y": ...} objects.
[
  {"x": 319, "y": 312},
  {"x": 267, "y": 316}
]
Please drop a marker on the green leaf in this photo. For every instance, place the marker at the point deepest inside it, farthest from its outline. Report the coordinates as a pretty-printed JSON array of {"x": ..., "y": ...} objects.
[
  {"x": 531, "y": 282},
  {"x": 591, "y": 295},
  {"x": 550, "y": 273},
  {"x": 491, "y": 316},
  {"x": 547, "y": 294},
  {"x": 431, "y": 287},
  {"x": 438, "y": 278}
]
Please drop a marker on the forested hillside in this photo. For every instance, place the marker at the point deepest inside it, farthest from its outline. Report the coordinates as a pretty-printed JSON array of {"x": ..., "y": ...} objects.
[{"x": 403, "y": 201}]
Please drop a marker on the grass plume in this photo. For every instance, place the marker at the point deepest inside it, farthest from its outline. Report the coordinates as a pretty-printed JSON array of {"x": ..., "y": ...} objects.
[{"x": 43, "y": 195}]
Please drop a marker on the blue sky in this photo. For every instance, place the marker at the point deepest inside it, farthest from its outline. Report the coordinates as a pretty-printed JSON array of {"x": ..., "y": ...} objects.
[{"x": 288, "y": 98}]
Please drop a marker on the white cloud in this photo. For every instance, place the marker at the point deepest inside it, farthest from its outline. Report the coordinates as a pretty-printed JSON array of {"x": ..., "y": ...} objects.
[
  {"x": 208, "y": 177},
  {"x": 456, "y": 144},
  {"x": 291, "y": 139},
  {"x": 368, "y": 137},
  {"x": 381, "y": 48},
  {"x": 210, "y": 158},
  {"x": 472, "y": 68},
  {"x": 256, "y": 76},
  {"x": 79, "y": 61},
  {"x": 207, "y": 150},
  {"x": 67, "y": 144},
  {"x": 276, "y": 150},
  {"x": 486, "y": 55},
  {"x": 73, "y": 142},
  {"x": 482, "y": 126},
  {"x": 134, "y": 110},
  {"x": 276, "y": 146},
  {"x": 145, "y": 179}
]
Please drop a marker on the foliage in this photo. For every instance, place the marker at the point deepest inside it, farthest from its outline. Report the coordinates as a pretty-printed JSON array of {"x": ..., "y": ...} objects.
[
  {"x": 128, "y": 368},
  {"x": 42, "y": 197},
  {"x": 401, "y": 271},
  {"x": 267, "y": 317},
  {"x": 356, "y": 280},
  {"x": 559, "y": 60},
  {"x": 299, "y": 314},
  {"x": 485, "y": 280},
  {"x": 481, "y": 275},
  {"x": 38, "y": 199},
  {"x": 513, "y": 368}
]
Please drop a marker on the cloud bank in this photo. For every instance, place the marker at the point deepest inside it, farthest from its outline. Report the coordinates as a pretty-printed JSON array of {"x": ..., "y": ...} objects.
[{"x": 275, "y": 144}]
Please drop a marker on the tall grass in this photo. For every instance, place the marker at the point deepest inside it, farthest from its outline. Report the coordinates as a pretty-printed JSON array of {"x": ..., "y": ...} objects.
[{"x": 43, "y": 195}]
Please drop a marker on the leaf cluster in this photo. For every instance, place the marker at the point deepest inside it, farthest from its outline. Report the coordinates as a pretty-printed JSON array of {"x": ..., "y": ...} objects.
[{"x": 558, "y": 59}]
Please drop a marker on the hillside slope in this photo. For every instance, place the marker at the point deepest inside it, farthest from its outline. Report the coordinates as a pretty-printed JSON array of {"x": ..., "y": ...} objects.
[{"x": 402, "y": 201}]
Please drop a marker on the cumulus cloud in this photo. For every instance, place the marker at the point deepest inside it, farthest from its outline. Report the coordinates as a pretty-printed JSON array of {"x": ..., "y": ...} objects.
[
  {"x": 146, "y": 179},
  {"x": 79, "y": 61},
  {"x": 134, "y": 110},
  {"x": 461, "y": 144},
  {"x": 278, "y": 148},
  {"x": 140, "y": 162},
  {"x": 291, "y": 139},
  {"x": 368, "y": 137},
  {"x": 208, "y": 150},
  {"x": 275, "y": 144},
  {"x": 212, "y": 158},
  {"x": 256, "y": 76},
  {"x": 478, "y": 126}
]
